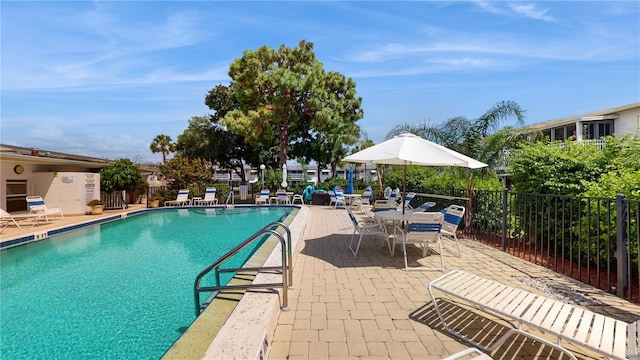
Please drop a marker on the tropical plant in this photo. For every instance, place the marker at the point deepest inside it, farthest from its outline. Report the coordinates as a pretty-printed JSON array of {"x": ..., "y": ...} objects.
[
  {"x": 162, "y": 144},
  {"x": 119, "y": 176},
  {"x": 468, "y": 136},
  {"x": 95, "y": 202}
]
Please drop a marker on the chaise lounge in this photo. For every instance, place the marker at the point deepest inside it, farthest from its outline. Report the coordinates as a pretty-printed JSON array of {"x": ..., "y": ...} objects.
[{"x": 611, "y": 337}]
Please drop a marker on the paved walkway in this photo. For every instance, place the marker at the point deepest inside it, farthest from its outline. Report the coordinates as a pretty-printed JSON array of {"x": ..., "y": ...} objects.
[{"x": 370, "y": 308}]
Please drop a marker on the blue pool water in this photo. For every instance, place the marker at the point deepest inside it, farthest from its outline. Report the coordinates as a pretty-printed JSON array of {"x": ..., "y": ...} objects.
[{"x": 120, "y": 290}]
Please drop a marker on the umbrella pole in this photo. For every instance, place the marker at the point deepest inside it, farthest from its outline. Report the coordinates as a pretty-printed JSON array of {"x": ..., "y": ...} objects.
[{"x": 404, "y": 187}]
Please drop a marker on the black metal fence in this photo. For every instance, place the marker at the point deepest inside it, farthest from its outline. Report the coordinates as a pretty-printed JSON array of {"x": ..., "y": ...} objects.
[{"x": 593, "y": 240}]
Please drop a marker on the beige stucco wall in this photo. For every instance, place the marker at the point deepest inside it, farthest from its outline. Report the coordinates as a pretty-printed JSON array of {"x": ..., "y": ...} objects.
[{"x": 71, "y": 190}]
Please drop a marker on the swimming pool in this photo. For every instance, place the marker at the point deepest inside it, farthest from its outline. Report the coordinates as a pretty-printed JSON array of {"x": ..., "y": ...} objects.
[{"x": 123, "y": 289}]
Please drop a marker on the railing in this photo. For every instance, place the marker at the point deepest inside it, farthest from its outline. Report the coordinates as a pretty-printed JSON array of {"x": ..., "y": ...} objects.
[
  {"x": 593, "y": 240},
  {"x": 230, "y": 199},
  {"x": 113, "y": 200},
  {"x": 287, "y": 271}
]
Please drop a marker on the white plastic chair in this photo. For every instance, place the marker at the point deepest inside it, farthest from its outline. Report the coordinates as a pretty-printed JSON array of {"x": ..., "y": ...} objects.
[
  {"x": 209, "y": 198},
  {"x": 452, "y": 217},
  {"x": 336, "y": 199},
  {"x": 423, "y": 229},
  {"x": 366, "y": 228},
  {"x": 182, "y": 199},
  {"x": 282, "y": 197},
  {"x": 7, "y": 218},
  {"x": 263, "y": 197},
  {"x": 37, "y": 206}
]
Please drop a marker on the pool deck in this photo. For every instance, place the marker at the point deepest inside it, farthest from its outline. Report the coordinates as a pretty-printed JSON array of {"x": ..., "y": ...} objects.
[{"x": 371, "y": 308}]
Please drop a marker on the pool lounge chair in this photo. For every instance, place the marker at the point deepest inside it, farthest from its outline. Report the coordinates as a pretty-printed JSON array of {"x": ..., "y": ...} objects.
[
  {"x": 209, "y": 198},
  {"x": 424, "y": 207},
  {"x": 611, "y": 337},
  {"x": 263, "y": 197},
  {"x": 38, "y": 207},
  {"x": 6, "y": 219},
  {"x": 181, "y": 200}
]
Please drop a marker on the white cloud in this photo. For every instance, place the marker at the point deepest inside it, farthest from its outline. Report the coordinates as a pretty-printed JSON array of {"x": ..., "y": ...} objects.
[{"x": 531, "y": 11}]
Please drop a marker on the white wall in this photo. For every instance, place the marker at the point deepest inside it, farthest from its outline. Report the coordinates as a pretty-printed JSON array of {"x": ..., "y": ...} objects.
[
  {"x": 628, "y": 122},
  {"x": 70, "y": 190}
]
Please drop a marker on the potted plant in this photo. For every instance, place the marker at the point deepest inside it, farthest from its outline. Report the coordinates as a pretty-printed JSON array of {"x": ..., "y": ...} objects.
[
  {"x": 155, "y": 199},
  {"x": 96, "y": 206}
]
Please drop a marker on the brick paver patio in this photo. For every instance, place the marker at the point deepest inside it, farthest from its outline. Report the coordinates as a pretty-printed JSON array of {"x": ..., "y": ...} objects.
[{"x": 371, "y": 308}]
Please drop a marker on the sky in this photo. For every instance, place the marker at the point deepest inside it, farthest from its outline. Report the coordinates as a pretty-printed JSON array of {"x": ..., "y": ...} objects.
[{"x": 103, "y": 78}]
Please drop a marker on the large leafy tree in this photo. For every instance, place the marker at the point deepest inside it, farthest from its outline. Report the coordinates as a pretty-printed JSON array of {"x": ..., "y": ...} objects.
[
  {"x": 184, "y": 173},
  {"x": 207, "y": 138},
  {"x": 286, "y": 94},
  {"x": 162, "y": 144}
]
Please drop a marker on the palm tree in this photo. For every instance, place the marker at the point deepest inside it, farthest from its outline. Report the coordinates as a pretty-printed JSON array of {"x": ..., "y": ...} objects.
[
  {"x": 162, "y": 144},
  {"x": 468, "y": 136}
]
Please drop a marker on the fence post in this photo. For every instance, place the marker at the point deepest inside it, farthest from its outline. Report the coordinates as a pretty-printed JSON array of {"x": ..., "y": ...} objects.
[
  {"x": 505, "y": 203},
  {"x": 621, "y": 246}
]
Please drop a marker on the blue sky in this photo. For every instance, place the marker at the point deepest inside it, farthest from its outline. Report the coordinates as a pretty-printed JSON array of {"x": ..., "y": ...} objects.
[{"x": 103, "y": 78}]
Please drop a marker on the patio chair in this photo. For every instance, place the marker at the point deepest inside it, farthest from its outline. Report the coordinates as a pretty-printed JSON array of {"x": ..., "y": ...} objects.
[
  {"x": 423, "y": 229},
  {"x": 182, "y": 199},
  {"x": 452, "y": 217},
  {"x": 38, "y": 207},
  {"x": 366, "y": 228},
  {"x": 336, "y": 198},
  {"x": 209, "y": 198},
  {"x": 6, "y": 218},
  {"x": 282, "y": 197},
  {"x": 263, "y": 197},
  {"x": 298, "y": 197},
  {"x": 391, "y": 201}
]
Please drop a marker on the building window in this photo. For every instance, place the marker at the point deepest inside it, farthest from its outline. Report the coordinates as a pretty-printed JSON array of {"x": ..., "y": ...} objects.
[
  {"x": 16, "y": 195},
  {"x": 598, "y": 129}
]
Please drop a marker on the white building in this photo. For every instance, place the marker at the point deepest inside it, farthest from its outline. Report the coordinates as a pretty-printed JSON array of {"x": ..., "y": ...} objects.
[{"x": 593, "y": 126}]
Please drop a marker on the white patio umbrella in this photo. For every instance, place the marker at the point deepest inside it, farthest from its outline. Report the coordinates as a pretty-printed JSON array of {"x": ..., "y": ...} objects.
[
  {"x": 409, "y": 149},
  {"x": 284, "y": 176}
]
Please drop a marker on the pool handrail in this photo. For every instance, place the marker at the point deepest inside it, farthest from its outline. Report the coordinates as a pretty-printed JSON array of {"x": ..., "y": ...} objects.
[{"x": 287, "y": 281}]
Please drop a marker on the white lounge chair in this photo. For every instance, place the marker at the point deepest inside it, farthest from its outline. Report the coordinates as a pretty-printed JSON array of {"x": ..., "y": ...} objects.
[
  {"x": 423, "y": 229},
  {"x": 407, "y": 201},
  {"x": 610, "y": 337},
  {"x": 477, "y": 355},
  {"x": 424, "y": 207},
  {"x": 452, "y": 217},
  {"x": 366, "y": 228},
  {"x": 38, "y": 207},
  {"x": 263, "y": 197},
  {"x": 209, "y": 198},
  {"x": 182, "y": 199},
  {"x": 6, "y": 218}
]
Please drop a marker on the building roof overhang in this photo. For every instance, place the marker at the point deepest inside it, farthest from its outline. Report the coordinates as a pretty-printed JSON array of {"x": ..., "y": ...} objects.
[{"x": 607, "y": 114}]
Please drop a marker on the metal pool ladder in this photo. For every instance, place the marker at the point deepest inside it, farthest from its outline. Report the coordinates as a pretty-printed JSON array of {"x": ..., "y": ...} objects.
[{"x": 287, "y": 271}]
